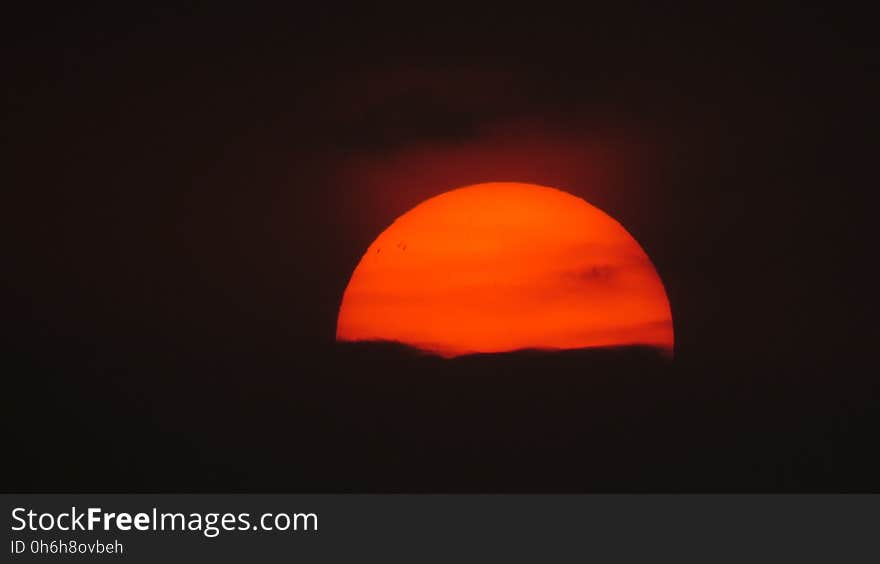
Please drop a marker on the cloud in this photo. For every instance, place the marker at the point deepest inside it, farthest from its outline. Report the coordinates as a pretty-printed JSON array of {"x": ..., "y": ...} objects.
[{"x": 595, "y": 273}]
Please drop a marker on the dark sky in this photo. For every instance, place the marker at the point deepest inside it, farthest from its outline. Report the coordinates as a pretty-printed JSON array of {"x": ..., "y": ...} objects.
[
  {"x": 208, "y": 176},
  {"x": 207, "y": 179}
]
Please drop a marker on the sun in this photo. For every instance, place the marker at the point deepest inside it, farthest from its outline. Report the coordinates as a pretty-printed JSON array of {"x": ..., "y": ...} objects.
[{"x": 504, "y": 266}]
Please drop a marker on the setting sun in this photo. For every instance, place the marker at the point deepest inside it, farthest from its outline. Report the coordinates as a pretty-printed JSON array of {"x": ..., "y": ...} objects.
[{"x": 505, "y": 266}]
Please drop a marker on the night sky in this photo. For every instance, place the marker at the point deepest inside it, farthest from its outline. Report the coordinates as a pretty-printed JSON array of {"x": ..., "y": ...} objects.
[{"x": 188, "y": 191}]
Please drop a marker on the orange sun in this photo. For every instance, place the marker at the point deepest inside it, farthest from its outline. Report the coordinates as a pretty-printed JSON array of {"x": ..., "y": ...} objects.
[{"x": 504, "y": 266}]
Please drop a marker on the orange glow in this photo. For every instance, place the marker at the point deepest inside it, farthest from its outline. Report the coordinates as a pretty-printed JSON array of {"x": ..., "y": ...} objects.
[{"x": 504, "y": 266}]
